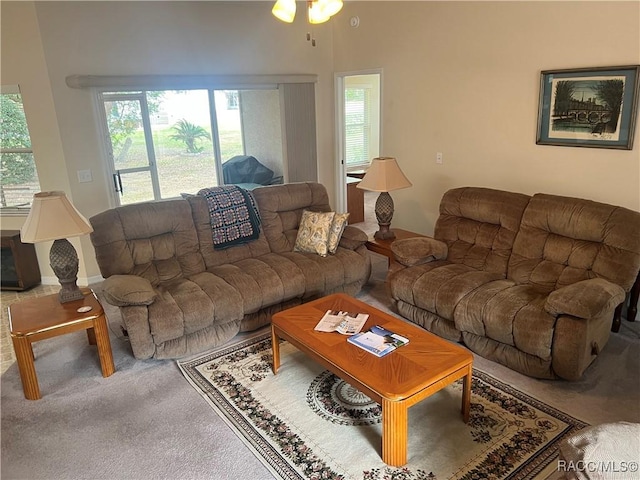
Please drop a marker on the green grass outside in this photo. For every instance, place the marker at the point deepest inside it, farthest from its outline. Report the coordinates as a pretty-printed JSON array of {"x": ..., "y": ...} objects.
[{"x": 178, "y": 171}]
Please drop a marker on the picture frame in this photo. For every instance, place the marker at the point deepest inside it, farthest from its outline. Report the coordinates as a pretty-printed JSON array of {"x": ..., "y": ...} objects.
[{"x": 589, "y": 107}]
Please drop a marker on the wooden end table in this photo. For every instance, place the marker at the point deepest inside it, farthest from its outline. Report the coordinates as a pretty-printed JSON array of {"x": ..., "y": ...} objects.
[
  {"x": 45, "y": 317},
  {"x": 396, "y": 381}
]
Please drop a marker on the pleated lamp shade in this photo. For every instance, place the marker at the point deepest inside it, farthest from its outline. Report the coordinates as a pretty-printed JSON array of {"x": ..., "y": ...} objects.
[
  {"x": 52, "y": 217},
  {"x": 384, "y": 175}
]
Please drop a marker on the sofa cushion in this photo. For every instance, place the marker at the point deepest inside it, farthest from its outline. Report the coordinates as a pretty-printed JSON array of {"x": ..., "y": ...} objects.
[
  {"x": 266, "y": 280},
  {"x": 510, "y": 314},
  {"x": 565, "y": 240},
  {"x": 479, "y": 226},
  {"x": 333, "y": 273},
  {"x": 187, "y": 305},
  {"x": 313, "y": 232},
  {"x": 154, "y": 240},
  {"x": 281, "y": 208},
  {"x": 438, "y": 286}
]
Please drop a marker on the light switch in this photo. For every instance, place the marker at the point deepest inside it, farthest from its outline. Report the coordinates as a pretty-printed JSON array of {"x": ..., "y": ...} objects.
[
  {"x": 439, "y": 158},
  {"x": 84, "y": 176}
]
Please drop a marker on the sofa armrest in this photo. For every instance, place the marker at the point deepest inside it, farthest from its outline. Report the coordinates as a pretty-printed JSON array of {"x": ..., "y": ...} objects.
[
  {"x": 126, "y": 290},
  {"x": 352, "y": 238},
  {"x": 585, "y": 299},
  {"x": 418, "y": 250}
]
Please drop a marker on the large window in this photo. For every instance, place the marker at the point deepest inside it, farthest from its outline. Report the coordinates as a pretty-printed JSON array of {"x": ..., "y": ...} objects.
[
  {"x": 167, "y": 142},
  {"x": 18, "y": 176},
  {"x": 170, "y": 134}
]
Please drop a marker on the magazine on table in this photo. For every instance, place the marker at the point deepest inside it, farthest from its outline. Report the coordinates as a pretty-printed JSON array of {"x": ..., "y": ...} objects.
[
  {"x": 378, "y": 340},
  {"x": 345, "y": 323}
]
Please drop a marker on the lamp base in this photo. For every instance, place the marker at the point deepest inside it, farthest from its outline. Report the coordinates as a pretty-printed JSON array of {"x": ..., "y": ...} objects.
[
  {"x": 384, "y": 214},
  {"x": 384, "y": 233},
  {"x": 64, "y": 262},
  {"x": 69, "y": 293}
]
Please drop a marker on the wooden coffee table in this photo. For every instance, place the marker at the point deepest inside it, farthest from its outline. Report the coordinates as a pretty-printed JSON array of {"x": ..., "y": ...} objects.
[{"x": 396, "y": 381}]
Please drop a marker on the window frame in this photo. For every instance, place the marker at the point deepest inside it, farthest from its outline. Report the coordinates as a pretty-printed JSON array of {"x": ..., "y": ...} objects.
[
  {"x": 301, "y": 147},
  {"x": 19, "y": 210},
  {"x": 140, "y": 94}
]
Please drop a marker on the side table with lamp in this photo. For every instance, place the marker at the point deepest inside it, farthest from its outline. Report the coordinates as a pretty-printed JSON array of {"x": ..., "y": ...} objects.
[
  {"x": 384, "y": 176},
  {"x": 53, "y": 217}
]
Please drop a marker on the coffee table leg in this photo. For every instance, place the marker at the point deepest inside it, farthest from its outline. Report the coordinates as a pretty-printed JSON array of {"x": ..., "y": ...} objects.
[
  {"x": 466, "y": 395},
  {"x": 101, "y": 333},
  {"x": 394, "y": 433},
  {"x": 24, "y": 358},
  {"x": 275, "y": 347}
]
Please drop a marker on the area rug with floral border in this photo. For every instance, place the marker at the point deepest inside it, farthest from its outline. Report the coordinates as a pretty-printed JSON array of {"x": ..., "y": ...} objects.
[{"x": 305, "y": 422}]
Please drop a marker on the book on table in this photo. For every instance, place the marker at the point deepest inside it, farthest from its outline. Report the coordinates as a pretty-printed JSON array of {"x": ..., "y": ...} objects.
[
  {"x": 346, "y": 323},
  {"x": 378, "y": 340}
]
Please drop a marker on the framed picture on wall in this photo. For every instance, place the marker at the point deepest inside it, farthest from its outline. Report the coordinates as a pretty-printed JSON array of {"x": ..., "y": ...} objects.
[{"x": 589, "y": 107}]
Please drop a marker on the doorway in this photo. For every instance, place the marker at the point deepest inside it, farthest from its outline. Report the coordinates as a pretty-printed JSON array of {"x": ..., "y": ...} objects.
[{"x": 358, "y": 101}]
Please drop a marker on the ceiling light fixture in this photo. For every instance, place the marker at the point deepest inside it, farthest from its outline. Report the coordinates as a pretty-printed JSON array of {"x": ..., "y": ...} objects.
[{"x": 318, "y": 11}]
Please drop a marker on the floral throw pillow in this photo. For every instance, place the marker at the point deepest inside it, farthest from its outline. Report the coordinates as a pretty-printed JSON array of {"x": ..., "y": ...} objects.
[
  {"x": 335, "y": 233},
  {"x": 313, "y": 232}
]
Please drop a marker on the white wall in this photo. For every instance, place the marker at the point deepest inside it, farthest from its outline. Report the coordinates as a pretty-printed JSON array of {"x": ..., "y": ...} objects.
[{"x": 462, "y": 78}]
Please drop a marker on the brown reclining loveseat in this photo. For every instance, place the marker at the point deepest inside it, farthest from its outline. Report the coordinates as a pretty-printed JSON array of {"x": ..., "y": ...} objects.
[{"x": 529, "y": 282}]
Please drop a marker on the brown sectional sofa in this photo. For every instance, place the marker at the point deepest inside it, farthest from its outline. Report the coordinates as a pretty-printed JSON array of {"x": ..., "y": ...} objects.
[
  {"x": 529, "y": 282},
  {"x": 178, "y": 295}
]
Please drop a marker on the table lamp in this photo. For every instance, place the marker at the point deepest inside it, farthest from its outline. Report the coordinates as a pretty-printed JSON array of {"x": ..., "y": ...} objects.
[
  {"x": 53, "y": 217},
  {"x": 384, "y": 176}
]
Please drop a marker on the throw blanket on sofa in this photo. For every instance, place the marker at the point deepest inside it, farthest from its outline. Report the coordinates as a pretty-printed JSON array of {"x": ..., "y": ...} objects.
[{"x": 234, "y": 215}]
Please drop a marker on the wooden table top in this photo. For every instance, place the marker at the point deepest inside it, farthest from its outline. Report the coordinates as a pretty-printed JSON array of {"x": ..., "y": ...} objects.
[
  {"x": 425, "y": 360},
  {"x": 39, "y": 314}
]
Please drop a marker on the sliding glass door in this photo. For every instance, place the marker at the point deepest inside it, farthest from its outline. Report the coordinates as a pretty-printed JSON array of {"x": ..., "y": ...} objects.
[
  {"x": 131, "y": 144},
  {"x": 168, "y": 142},
  {"x": 164, "y": 136}
]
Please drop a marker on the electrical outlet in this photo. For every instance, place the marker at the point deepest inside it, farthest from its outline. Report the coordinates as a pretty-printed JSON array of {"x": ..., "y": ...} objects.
[
  {"x": 439, "y": 158},
  {"x": 84, "y": 176}
]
